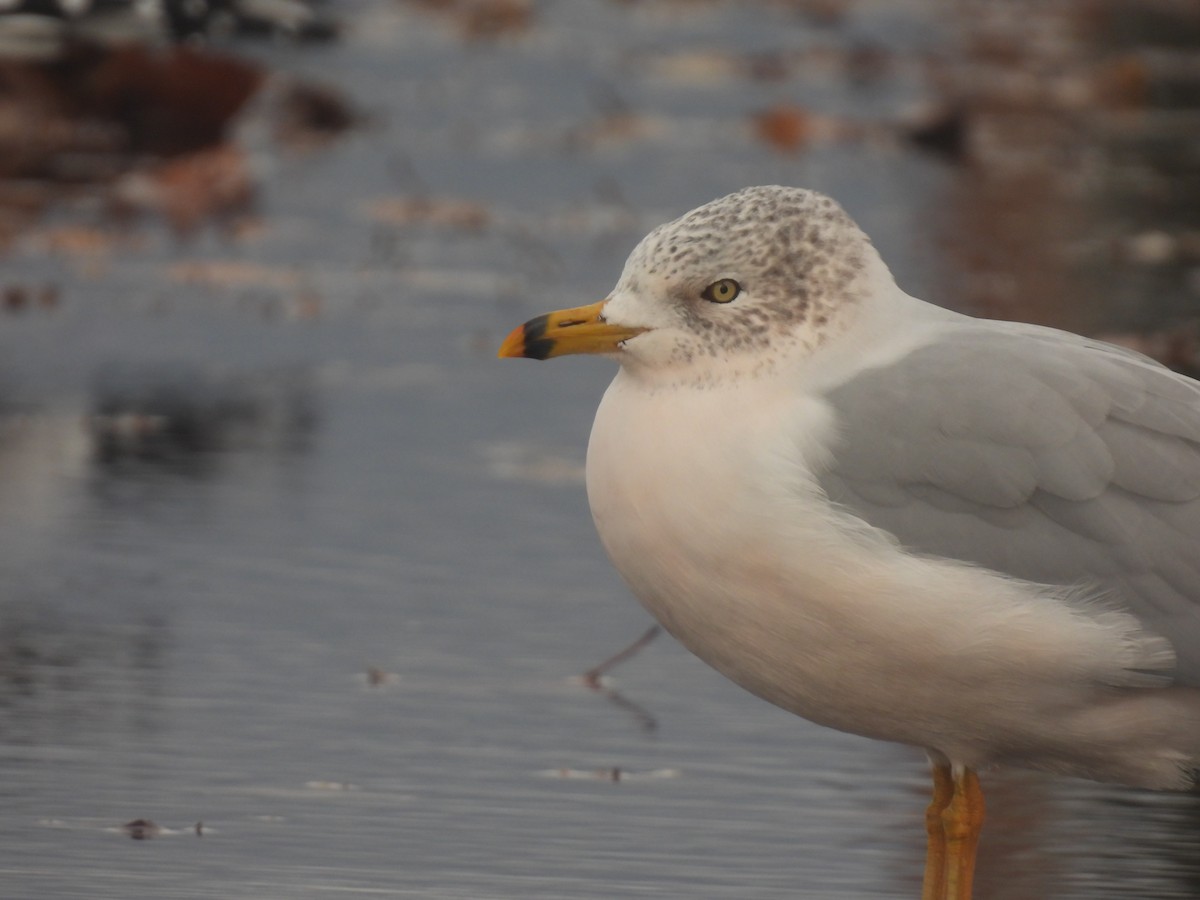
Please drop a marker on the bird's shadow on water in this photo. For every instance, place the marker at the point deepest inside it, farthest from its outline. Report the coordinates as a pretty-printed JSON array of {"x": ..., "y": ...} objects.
[
  {"x": 1164, "y": 841},
  {"x": 1183, "y": 854},
  {"x": 1048, "y": 837}
]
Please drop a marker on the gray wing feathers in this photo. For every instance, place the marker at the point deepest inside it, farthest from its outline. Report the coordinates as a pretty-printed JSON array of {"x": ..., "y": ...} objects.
[
  {"x": 1052, "y": 458},
  {"x": 1150, "y": 463}
]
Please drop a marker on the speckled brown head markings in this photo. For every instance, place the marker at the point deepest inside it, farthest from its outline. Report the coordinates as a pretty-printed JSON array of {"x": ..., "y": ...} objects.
[{"x": 795, "y": 253}]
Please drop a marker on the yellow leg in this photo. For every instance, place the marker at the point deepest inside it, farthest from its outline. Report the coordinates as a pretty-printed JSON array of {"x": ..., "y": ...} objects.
[
  {"x": 934, "y": 886},
  {"x": 962, "y": 821}
]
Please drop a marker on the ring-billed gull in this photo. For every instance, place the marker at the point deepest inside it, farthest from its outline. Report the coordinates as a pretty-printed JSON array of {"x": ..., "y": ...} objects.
[{"x": 976, "y": 537}]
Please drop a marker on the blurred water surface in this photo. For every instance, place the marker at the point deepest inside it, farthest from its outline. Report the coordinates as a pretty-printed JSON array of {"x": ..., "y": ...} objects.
[{"x": 292, "y": 567}]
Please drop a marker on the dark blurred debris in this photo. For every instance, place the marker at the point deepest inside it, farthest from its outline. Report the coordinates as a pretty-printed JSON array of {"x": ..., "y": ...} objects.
[
  {"x": 145, "y": 829},
  {"x": 942, "y": 132},
  {"x": 165, "y": 102},
  {"x": 13, "y": 298},
  {"x": 303, "y": 20},
  {"x": 161, "y": 411},
  {"x": 377, "y": 677},
  {"x": 96, "y": 111},
  {"x": 310, "y": 115},
  {"x": 39, "y": 29},
  {"x": 142, "y": 829},
  {"x": 153, "y": 130},
  {"x": 19, "y": 298},
  {"x": 483, "y": 19}
]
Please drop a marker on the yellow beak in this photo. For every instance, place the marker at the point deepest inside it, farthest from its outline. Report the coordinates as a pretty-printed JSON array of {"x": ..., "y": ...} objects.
[{"x": 579, "y": 330}]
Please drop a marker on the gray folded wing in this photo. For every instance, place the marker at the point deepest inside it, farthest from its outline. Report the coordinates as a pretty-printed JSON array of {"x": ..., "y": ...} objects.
[{"x": 1045, "y": 456}]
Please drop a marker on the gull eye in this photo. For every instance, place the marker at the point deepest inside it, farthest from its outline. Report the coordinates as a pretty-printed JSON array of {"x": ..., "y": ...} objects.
[{"x": 722, "y": 291}]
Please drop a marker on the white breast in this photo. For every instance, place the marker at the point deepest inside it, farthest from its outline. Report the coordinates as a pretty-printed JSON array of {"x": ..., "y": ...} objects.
[{"x": 701, "y": 499}]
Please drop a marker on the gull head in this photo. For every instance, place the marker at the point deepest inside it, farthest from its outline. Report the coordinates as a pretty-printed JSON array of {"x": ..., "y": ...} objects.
[{"x": 738, "y": 286}]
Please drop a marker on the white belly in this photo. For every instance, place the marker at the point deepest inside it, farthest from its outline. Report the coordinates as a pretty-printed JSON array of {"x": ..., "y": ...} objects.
[{"x": 707, "y": 508}]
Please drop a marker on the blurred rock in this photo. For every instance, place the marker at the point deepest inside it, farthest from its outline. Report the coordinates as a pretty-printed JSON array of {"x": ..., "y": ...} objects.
[
  {"x": 142, "y": 829},
  {"x": 784, "y": 127},
  {"x": 792, "y": 129},
  {"x": 493, "y": 18},
  {"x": 151, "y": 129}
]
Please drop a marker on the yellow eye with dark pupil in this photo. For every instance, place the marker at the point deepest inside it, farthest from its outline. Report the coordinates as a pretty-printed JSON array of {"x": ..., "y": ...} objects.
[{"x": 722, "y": 291}]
